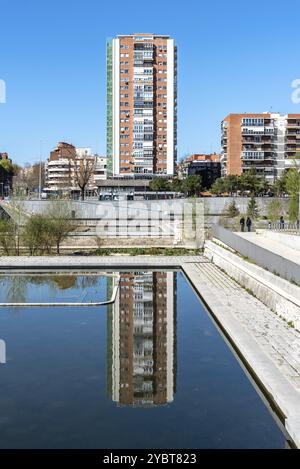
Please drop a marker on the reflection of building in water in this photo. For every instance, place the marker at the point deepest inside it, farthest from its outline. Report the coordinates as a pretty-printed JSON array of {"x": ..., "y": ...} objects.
[{"x": 142, "y": 342}]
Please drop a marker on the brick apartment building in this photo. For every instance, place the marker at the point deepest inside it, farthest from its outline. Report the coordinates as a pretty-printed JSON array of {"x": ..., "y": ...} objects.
[
  {"x": 141, "y": 105},
  {"x": 266, "y": 142}
]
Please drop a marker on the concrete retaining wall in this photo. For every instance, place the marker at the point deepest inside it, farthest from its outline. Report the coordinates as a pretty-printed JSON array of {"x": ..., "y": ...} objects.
[
  {"x": 215, "y": 206},
  {"x": 263, "y": 257},
  {"x": 276, "y": 293}
]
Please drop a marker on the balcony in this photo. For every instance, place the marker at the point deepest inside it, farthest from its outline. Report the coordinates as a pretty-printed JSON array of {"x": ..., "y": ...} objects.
[
  {"x": 253, "y": 155},
  {"x": 293, "y": 125},
  {"x": 258, "y": 131}
]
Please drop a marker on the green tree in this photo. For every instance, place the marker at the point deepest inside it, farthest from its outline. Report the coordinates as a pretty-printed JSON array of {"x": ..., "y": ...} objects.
[
  {"x": 279, "y": 185},
  {"x": 232, "y": 210},
  {"x": 6, "y": 164},
  {"x": 252, "y": 209},
  {"x": 292, "y": 187},
  {"x": 262, "y": 186},
  {"x": 218, "y": 187},
  {"x": 274, "y": 210},
  {"x": 159, "y": 185},
  {"x": 8, "y": 237},
  {"x": 192, "y": 185},
  {"x": 60, "y": 223},
  {"x": 230, "y": 184},
  {"x": 294, "y": 209},
  {"x": 176, "y": 185},
  {"x": 37, "y": 235}
]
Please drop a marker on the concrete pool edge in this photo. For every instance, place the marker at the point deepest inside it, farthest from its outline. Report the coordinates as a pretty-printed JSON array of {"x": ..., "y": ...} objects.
[{"x": 277, "y": 389}]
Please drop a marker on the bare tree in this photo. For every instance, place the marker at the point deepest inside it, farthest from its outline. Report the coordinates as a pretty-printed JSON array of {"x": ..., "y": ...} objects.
[
  {"x": 83, "y": 171},
  {"x": 29, "y": 178},
  {"x": 80, "y": 170}
]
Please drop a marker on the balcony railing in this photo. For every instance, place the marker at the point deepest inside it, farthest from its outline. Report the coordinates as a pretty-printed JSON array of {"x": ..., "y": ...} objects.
[{"x": 252, "y": 155}]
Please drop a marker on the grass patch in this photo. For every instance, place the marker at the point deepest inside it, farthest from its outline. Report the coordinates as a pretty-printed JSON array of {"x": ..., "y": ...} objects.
[{"x": 141, "y": 252}]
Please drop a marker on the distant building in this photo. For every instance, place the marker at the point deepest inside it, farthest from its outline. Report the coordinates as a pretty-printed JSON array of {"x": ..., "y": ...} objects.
[
  {"x": 208, "y": 170},
  {"x": 100, "y": 172},
  {"x": 267, "y": 143},
  {"x": 122, "y": 186},
  {"x": 141, "y": 105},
  {"x": 61, "y": 167},
  {"x": 6, "y": 176},
  {"x": 214, "y": 157},
  {"x": 208, "y": 166}
]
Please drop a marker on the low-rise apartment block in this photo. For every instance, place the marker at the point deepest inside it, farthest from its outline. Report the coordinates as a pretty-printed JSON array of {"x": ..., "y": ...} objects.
[{"x": 63, "y": 165}]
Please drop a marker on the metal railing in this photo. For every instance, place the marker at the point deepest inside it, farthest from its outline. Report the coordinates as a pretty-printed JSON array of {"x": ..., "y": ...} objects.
[{"x": 289, "y": 227}]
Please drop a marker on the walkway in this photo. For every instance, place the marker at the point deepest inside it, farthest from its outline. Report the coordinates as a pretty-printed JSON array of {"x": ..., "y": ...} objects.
[
  {"x": 276, "y": 247},
  {"x": 93, "y": 262}
]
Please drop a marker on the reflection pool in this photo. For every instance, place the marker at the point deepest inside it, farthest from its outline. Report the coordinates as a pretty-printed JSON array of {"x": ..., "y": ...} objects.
[{"x": 150, "y": 370}]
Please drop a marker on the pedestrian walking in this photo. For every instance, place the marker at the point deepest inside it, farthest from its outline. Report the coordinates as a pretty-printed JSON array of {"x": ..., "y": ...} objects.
[
  {"x": 249, "y": 223},
  {"x": 281, "y": 221},
  {"x": 242, "y": 224}
]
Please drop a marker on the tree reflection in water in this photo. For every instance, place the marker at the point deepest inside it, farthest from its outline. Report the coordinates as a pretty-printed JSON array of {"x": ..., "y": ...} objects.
[{"x": 15, "y": 288}]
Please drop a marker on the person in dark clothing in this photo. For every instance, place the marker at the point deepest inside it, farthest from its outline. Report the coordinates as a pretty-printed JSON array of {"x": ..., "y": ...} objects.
[
  {"x": 249, "y": 223},
  {"x": 242, "y": 224},
  {"x": 281, "y": 223}
]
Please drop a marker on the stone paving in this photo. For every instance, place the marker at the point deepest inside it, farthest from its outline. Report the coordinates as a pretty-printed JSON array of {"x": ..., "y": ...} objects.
[
  {"x": 277, "y": 339},
  {"x": 65, "y": 262}
]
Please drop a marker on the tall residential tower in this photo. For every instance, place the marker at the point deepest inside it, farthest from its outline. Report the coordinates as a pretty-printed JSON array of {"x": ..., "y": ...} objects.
[{"x": 141, "y": 105}]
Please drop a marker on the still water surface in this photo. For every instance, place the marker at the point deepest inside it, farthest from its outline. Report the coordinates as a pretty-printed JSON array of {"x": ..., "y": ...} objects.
[{"x": 151, "y": 371}]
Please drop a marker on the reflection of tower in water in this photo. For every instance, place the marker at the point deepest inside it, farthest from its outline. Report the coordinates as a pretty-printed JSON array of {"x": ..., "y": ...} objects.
[{"x": 142, "y": 339}]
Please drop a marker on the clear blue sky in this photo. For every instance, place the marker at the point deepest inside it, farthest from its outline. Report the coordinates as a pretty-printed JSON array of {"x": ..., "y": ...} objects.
[{"x": 233, "y": 56}]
